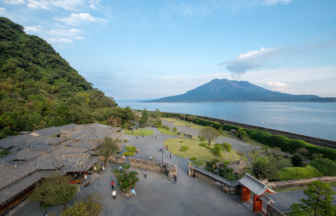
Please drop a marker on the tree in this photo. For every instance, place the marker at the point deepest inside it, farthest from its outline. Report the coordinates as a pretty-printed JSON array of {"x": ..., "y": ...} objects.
[
  {"x": 210, "y": 133},
  {"x": 296, "y": 160},
  {"x": 125, "y": 181},
  {"x": 85, "y": 207},
  {"x": 241, "y": 133},
  {"x": 226, "y": 147},
  {"x": 201, "y": 138},
  {"x": 211, "y": 165},
  {"x": 264, "y": 170},
  {"x": 315, "y": 156},
  {"x": 253, "y": 148},
  {"x": 174, "y": 129},
  {"x": 108, "y": 148},
  {"x": 266, "y": 148},
  {"x": 55, "y": 190},
  {"x": 128, "y": 113},
  {"x": 192, "y": 118},
  {"x": 144, "y": 117},
  {"x": 318, "y": 203},
  {"x": 303, "y": 152},
  {"x": 183, "y": 116},
  {"x": 220, "y": 130},
  {"x": 276, "y": 151}
]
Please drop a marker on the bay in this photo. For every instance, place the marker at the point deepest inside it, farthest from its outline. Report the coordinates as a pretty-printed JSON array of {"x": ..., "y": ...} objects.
[{"x": 311, "y": 119}]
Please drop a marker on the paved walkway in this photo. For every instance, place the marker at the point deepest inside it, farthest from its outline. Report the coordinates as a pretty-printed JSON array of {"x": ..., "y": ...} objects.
[{"x": 157, "y": 195}]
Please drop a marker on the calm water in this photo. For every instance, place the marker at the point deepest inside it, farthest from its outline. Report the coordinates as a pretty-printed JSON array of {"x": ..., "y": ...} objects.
[{"x": 312, "y": 119}]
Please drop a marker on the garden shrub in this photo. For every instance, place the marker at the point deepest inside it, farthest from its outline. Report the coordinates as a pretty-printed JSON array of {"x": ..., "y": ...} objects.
[
  {"x": 217, "y": 150},
  {"x": 290, "y": 173},
  {"x": 181, "y": 142},
  {"x": 296, "y": 160},
  {"x": 264, "y": 170},
  {"x": 128, "y": 153},
  {"x": 227, "y": 147},
  {"x": 193, "y": 158},
  {"x": 184, "y": 148},
  {"x": 325, "y": 166}
]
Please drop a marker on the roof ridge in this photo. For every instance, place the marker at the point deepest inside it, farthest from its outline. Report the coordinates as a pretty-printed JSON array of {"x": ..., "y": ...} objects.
[{"x": 53, "y": 158}]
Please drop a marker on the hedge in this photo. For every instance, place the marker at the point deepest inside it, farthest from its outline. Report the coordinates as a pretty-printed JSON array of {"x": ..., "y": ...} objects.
[
  {"x": 184, "y": 148},
  {"x": 325, "y": 166},
  {"x": 290, "y": 173}
]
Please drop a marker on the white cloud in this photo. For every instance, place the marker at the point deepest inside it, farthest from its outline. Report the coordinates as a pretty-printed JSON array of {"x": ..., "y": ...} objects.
[
  {"x": 32, "y": 29},
  {"x": 46, "y": 4},
  {"x": 58, "y": 40},
  {"x": 276, "y": 84},
  {"x": 38, "y": 4},
  {"x": 273, "y": 2},
  {"x": 92, "y": 6},
  {"x": 15, "y": 2},
  {"x": 2, "y": 10},
  {"x": 64, "y": 32},
  {"x": 77, "y": 19},
  {"x": 80, "y": 38},
  {"x": 251, "y": 60}
]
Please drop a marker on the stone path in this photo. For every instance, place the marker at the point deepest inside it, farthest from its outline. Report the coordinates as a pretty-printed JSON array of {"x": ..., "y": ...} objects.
[{"x": 157, "y": 195}]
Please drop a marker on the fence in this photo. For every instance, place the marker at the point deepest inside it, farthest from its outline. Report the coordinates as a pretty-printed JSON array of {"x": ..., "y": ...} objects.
[{"x": 299, "y": 182}]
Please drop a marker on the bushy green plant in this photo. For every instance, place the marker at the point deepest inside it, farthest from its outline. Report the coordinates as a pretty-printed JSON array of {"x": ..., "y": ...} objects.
[
  {"x": 325, "y": 166},
  {"x": 264, "y": 170},
  {"x": 184, "y": 148},
  {"x": 296, "y": 160},
  {"x": 289, "y": 173},
  {"x": 227, "y": 147},
  {"x": 217, "y": 150},
  {"x": 201, "y": 138},
  {"x": 211, "y": 165},
  {"x": 193, "y": 158}
]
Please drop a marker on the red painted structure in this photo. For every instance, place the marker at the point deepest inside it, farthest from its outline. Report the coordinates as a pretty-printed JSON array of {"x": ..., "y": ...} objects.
[{"x": 245, "y": 194}]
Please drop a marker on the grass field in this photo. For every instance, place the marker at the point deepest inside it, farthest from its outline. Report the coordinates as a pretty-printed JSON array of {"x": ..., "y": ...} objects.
[
  {"x": 187, "y": 123},
  {"x": 139, "y": 132},
  {"x": 170, "y": 119},
  {"x": 282, "y": 162},
  {"x": 204, "y": 154},
  {"x": 166, "y": 132}
]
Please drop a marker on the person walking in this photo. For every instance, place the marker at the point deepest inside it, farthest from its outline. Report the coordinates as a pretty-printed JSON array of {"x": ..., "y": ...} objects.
[
  {"x": 137, "y": 151},
  {"x": 133, "y": 191},
  {"x": 143, "y": 135},
  {"x": 114, "y": 193},
  {"x": 145, "y": 174},
  {"x": 170, "y": 155},
  {"x": 167, "y": 147},
  {"x": 45, "y": 214},
  {"x": 112, "y": 184},
  {"x": 175, "y": 179},
  {"x": 137, "y": 137}
]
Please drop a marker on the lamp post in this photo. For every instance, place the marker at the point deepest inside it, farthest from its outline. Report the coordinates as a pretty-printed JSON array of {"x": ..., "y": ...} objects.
[
  {"x": 265, "y": 124},
  {"x": 201, "y": 114},
  {"x": 162, "y": 161},
  {"x": 223, "y": 117}
]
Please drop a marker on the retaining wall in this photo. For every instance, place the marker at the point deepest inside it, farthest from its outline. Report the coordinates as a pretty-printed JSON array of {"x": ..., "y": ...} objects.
[
  {"x": 116, "y": 159},
  {"x": 230, "y": 187},
  {"x": 299, "y": 182},
  {"x": 309, "y": 139},
  {"x": 272, "y": 211},
  {"x": 148, "y": 164}
]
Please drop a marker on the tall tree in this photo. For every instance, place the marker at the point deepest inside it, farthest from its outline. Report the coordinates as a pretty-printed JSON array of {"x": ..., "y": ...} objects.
[
  {"x": 108, "y": 148},
  {"x": 55, "y": 190},
  {"x": 318, "y": 202},
  {"x": 85, "y": 207},
  {"x": 144, "y": 117},
  {"x": 210, "y": 133}
]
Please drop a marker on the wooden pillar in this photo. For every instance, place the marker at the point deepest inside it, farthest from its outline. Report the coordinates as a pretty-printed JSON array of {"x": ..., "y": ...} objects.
[
  {"x": 257, "y": 204},
  {"x": 245, "y": 194},
  {"x": 189, "y": 170}
]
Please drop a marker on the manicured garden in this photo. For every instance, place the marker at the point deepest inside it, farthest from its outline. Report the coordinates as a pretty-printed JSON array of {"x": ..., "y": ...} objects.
[
  {"x": 139, "y": 132},
  {"x": 197, "y": 150},
  {"x": 164, "y": 131},
  {"x": 187, "y": 123}
]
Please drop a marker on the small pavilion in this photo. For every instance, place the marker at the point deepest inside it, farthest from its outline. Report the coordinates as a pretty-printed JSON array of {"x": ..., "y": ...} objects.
[{"x": 248, "y": 184}]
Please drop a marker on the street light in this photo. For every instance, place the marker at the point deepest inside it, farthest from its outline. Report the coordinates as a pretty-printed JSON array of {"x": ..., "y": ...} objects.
[
  {"x": 162, "y": 161},
  {"x": 265, "y": 124},
  {"x": 201, "y": 114},
  {"x": 223, "y": 117}
]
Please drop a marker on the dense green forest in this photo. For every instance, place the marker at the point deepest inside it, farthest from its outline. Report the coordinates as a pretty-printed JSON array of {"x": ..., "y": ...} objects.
[{"x": 38, "y": 88}]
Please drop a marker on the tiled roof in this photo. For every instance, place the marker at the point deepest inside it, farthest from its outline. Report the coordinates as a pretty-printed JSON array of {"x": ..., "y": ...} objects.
[
  {"x": 253, "y": 184},
  {"x": 28, "y": 153},
  {"x": 12, "y": 141}
]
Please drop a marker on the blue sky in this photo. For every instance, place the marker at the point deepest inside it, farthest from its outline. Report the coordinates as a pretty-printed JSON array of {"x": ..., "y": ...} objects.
[{"x": 138, "y": 49}]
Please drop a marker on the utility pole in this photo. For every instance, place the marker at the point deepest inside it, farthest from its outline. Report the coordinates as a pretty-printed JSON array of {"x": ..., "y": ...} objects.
[
  {"x": 223, "y": 117},
  {"x": 265, "y": 125}
]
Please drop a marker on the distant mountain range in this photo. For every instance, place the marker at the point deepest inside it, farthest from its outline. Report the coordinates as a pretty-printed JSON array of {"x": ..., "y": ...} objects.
[{"x": 237, "y": 91}]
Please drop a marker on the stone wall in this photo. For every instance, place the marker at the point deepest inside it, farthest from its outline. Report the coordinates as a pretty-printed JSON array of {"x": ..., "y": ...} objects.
[
  {"x": 272, "y": 211},
  {"x": 230, "y": 187},
  {"x": 299, "y": 182},
  {"x": 148, "y": 164},
  {"x": 115, "y": 159}
]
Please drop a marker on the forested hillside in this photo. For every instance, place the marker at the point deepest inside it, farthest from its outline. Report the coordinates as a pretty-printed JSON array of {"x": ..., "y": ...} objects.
[{"x": 38, "y": 88}]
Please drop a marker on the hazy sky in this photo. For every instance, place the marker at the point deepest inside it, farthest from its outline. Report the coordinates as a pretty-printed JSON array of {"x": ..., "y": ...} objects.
[{"x": 139, "y": 49}]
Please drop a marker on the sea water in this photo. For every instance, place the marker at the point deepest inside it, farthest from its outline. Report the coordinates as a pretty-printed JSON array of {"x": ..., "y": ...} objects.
[{"x": 311, "y": 119}]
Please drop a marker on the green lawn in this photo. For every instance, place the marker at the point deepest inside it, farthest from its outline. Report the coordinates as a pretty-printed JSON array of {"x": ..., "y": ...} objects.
[
  {"x": 282, "y": 162},
  {"x": 187, "y": 123},
  {"x": 167, "y": 132},
  {"x": 139, "y": 132},
  {"x": 204, "y": 154},
  {"x": 170, "y": 119}
]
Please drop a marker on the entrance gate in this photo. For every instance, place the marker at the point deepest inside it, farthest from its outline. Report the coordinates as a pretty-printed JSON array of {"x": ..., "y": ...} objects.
[{"x": 248, "y": 184}]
